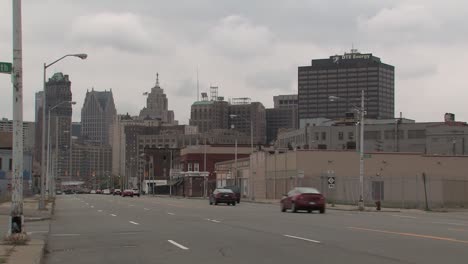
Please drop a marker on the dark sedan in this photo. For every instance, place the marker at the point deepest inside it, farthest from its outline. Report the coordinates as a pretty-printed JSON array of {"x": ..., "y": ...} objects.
[
  {"x": 226, "y": 196},
  {"x": 303, "y": 198}
]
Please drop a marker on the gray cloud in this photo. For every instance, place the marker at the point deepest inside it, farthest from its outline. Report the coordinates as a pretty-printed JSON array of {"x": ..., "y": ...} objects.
[{"x": 247, "y": 48}]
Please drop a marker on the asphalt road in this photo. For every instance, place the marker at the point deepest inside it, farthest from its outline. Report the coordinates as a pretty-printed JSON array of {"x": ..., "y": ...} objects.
[{"x": 108, "y": 229}]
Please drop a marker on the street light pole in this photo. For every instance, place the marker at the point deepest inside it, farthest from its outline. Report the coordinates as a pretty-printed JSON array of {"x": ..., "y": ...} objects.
[
  {"x": 251, "y": 181},
  {"x": 48, "y": 167},
  {"x": 361, "y": 110},
  {"x": 44, "y": 170}
]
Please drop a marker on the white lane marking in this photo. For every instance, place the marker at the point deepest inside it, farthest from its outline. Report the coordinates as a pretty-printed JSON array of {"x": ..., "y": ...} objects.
[
  {"x": 404, "y": 216},
  {"x": 177, "y": 245},
  {"x": 301, "y": 238},
  {"x": 65, "y": 234},
  {"x": 212, "y": 220},
  {"x": 35, "y": 232},
  {"x": 99, "y": 210},
  {"x": 92, "y": 206},
  {"x": 348, "y": 214},
  {"x": 443, "y": 223},
  {"x": 113, "y": 214},
  {"x": 146, "y": 209},
  {"x": 131, "y": 205},
  {"x": 170, "y": 213},
  {"x": 135, "y": 223}
]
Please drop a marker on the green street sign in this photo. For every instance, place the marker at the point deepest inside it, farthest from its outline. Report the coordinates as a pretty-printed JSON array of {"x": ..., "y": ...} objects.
[{"x": 5, "y": 67}]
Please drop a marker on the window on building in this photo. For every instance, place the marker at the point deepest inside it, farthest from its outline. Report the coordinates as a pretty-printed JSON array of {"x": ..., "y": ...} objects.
[
  {"x": 196, "y": 166},
  {"x": 10, "y": 165},
  {"x": 317, "y": 136},
  {"x": 189, "y": 167},
  {"x": 324, "y": 135},
  {"x": 350, "y": 135},
  {"x": 414, "y": 134},
  {"x": 340, "y": 135}
]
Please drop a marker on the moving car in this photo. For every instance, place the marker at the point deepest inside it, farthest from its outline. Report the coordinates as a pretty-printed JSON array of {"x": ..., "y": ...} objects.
[
  {"x": 303, "y": 198},
  {"x": 226, "y": 196},
  {"x": 127, "y": 192},
  {"x": 236, "y": 190},
  {"x": 136, "y": 192},
  {"x": 117, "y": 192}
]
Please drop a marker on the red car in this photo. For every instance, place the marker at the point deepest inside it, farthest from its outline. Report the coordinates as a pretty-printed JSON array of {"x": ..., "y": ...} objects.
[
  {"x": 303, "y": 198},
  {"x": 128, "y": 192},
  {"x": 226, "y": 196}
]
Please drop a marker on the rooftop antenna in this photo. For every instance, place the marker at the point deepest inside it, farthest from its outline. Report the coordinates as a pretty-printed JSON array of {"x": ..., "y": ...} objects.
[
  {"x": 157, "y": 79},
  {"x": 353, "y": 50},
  {"x": 198, "y": 88}
]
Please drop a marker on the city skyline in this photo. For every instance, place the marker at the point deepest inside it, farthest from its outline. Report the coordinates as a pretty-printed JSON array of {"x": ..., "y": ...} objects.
[{"x": 261, "y": 63}]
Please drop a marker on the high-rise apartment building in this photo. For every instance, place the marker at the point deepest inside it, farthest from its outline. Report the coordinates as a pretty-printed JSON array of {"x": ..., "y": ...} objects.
[
  {"x": 58, "y": 96},
  {"x": 157, "y": 105},
  {"x": 285, "y": 101},
  {"x": 344, "y": 77},
  {"x": 97, "y": 115}
]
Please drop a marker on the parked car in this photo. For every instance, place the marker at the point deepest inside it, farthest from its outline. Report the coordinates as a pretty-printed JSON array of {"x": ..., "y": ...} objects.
[
  {"x": 236, "y": 190},
  {"x": 68, "y": 192},
  {"x": 117, "y": 192},
  {"x": 106, "y": 191},
  {"x": 226, "y": 196},
  {"x": 136, "y": 192},
  {"x": 303, "y": 198},
  {"x": 93, "y": 192},
  {"x": 98, "y": 191},
  {"x": 58, "y": 192},
  {"x": 127, "y": 192}
]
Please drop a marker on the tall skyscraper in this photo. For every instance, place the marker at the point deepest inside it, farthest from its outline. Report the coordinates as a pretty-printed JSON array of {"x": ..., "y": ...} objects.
[
  {"x": 157, "y": 105},
  {"x": 97, "y": 115},
  {"x": 344, "y": 76},
  {"x": 58, "y": 95}
]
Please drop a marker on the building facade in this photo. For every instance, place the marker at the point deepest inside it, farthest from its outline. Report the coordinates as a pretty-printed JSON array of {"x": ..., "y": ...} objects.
[
  {"x": 58, "y": 96},
  {"x": 285, "y": 101},
  {"x": 209, "y": 115},
  {"x": 29, "y": 129},
  {"x": 157, "y": 105},
  {"x": 91, "y": 163},
  {"x": 282, "y": 116},
  {"x": 242, "y": 116},
  {"x": 395, "y": 135},
  {"x": 97, "y": 116},
  {"x": 343, "y": 77}
]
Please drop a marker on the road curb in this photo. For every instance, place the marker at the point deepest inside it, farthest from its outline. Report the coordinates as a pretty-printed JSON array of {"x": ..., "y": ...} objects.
[
  {"x": 36, "y": 219},
  {"x": 367, "y": 210},
  {"x": 32, "y": 253}
]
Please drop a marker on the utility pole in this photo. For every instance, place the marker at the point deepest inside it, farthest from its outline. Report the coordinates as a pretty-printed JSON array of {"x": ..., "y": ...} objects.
[
  {"x": 16, "y": 214},
  {"x": 361, "y": 156}
]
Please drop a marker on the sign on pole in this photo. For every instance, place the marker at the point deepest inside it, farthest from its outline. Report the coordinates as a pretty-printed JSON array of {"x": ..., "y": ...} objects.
[
  {"x": 331, "y": 182},
  {"x": 6, "y": 67}
]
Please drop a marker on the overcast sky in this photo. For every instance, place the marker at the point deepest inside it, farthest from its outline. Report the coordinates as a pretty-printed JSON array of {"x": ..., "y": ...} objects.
[{"x": 249, "y": 48}]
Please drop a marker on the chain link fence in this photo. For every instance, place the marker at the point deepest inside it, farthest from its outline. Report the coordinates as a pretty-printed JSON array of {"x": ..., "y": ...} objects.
[{"x": 406, "y": 191}]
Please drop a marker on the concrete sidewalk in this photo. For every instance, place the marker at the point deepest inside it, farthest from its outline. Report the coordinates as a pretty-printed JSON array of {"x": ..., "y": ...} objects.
[{"x": 37, "y": 226}]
